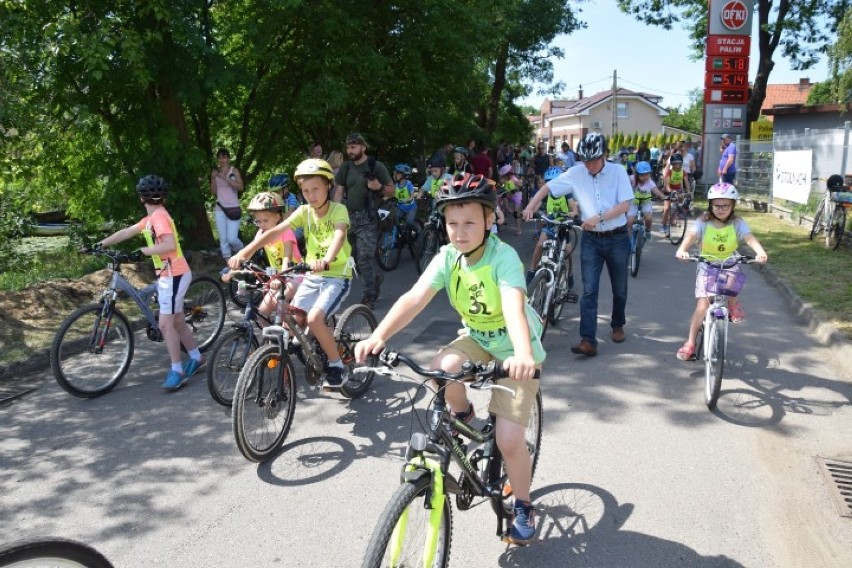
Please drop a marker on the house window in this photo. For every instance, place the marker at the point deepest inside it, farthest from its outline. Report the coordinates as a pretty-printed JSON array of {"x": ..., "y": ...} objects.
[{"x": 621, "y": 110}]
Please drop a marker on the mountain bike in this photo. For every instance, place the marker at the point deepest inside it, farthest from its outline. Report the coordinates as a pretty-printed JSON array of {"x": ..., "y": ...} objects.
[
  {"x": 553, "y": 283},
  {"x": 637, "y": 243},
  {"x": 432, "y": 238},
  {"x": 837, "y": 224},
  {"x": 679, "y": 214},
  {"x": 92, "y": 350},
  {"x": 395, "y": 238},
  {"x": 230, "y": 353},
  {"x": 51, "y": 553},
  {"x": 712, "y": 340},
  {"x": 265, "y": 395},
  {"x": 415, "y": 528}
]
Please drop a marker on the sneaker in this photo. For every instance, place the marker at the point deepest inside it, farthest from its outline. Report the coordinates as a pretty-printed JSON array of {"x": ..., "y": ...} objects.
[
  {"x": 523, "y": 524},
  {"x": 191, "y": 366},
  {"x": 736, "y": 313},
  {"x": 336, "y": 377},
  {"x": 174, "y": 381}
]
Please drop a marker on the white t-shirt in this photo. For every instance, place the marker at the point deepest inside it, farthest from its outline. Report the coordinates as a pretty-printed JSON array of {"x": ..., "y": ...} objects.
[
  {"x": 688, "y": 163},
  {"x": 596, "y": 194}
]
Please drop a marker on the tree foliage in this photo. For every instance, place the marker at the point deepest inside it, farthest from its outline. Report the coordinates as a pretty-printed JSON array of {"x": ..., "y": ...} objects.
[
  {"x": 99, "y": 92},
  {"x": 840, "y": 57},
  {"x": 802, "y": 29},
  {"x": 690, "y": 118}
]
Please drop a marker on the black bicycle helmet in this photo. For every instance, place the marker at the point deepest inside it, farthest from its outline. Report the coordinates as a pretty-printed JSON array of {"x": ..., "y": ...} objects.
[
  {"x": 152, "y": 187},
  {"x": 464, "y": 188},
  {"x": 592, "y": 146},
  {"x": 835, "y": 183},
  {"x": 676, "y": 159}
]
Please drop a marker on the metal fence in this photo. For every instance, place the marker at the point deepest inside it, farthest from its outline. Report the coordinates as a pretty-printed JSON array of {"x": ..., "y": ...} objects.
[{"x": 831, "y": 155}]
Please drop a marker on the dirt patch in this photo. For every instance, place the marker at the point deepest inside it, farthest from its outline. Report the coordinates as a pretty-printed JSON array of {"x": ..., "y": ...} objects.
[{"x": 30, "y": 317}]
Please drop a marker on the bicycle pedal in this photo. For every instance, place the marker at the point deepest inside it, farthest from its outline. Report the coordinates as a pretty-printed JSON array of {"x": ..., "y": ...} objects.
[{"x": 571, "y": 298}]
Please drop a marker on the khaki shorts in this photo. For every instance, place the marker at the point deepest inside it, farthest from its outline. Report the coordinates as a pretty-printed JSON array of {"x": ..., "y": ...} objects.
[{"x": 514, "y": 409}]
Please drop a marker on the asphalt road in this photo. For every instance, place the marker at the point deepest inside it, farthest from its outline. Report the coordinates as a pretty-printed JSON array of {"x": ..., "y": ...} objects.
[{"x": 634, "y": 471}]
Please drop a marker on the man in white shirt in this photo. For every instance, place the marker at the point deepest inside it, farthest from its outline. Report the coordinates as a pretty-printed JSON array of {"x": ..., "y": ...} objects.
[{"x": 603, "y": 191}]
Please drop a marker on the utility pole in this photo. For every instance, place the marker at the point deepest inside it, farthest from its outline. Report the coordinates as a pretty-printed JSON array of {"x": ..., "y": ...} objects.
[{"x": 614, "y": 103}]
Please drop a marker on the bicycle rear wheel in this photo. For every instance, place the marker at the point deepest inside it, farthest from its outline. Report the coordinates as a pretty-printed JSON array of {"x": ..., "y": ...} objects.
[
  {"x": 227, "y": 359},
  {"x": 636, "y": 253},
  {"x": 264, "y": 402},
  {"x": 714, "y": 363},
  {"x": 532, "y": 436},
  {"x": 409, "y": 533},
  {"x": 356, "y": 324},
  {"x": 388, "y": 251},
  {"x": 204, "y": 310},
  {"x": 819, "y": 223},
  {"x": 679, "y": 221},
  {"x": 53, "y": 553},
  {"x": 92, "y": 350},
  {"x": 538, "y": 294},
  {"x": 430, "y": 243},
  {"x": 836, "y": 227}
]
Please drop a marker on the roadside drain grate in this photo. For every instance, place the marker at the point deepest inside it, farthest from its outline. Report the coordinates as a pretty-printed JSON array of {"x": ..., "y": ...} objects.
[{"x": 837, "y": 475}]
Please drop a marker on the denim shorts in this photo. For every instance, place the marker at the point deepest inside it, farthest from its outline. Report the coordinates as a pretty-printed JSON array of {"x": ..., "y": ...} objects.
[{"x": 321, "y": 292}]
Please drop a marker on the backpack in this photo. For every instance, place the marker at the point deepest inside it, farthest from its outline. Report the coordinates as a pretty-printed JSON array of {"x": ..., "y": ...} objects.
[{"x": 373, "y": 199}]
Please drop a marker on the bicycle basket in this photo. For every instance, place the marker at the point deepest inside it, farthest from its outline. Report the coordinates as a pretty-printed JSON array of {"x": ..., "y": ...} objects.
[{"x": 724, "y": 281}]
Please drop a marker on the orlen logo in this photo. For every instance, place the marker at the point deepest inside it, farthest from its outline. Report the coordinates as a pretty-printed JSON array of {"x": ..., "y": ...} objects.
[{"x": 734, "y": 15}]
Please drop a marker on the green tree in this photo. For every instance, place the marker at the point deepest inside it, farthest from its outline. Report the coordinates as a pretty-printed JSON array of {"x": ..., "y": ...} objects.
[
  {"x": 803, "y": 29},
  {"x": 840, "y": 58},
  {"x": 689, "y": 118}
]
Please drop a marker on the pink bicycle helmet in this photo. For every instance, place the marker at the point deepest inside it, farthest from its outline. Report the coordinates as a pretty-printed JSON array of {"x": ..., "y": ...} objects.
[
  {"x": 505, "y": 170},
  {"x": 722, "y": 191}
]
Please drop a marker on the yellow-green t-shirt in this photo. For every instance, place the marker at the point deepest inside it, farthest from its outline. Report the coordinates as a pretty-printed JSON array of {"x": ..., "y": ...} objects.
[{"x": 319, "y": 234}]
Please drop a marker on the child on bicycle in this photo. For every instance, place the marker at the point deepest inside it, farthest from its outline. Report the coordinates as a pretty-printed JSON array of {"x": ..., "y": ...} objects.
[
  {"x": 173, "y": 276},
  {"x": 268, "y": 210},
  {"x": 511, "y": 196},
  {"x": 484, "y": 280},
  {"x": 674, "y": 179},
  {"x": 556, "y": 208},
  {"x": 329, "y": 254},
  {"x": 404, "y": 193},
  {"x": 644, "y": 189},
  {"x": 718, "y": 231}
]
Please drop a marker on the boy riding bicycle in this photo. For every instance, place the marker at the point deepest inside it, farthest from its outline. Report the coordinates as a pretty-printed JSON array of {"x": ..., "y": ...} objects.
[
  {"x": 173, "y": 276},
  {"x": 485, "y": 282},
  {"x": 644, "y": 189},
  {"x": 329, "y": 254}
]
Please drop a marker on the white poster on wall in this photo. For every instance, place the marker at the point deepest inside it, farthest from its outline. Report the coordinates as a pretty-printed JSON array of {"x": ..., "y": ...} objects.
[{"x": 791, "y": 178}]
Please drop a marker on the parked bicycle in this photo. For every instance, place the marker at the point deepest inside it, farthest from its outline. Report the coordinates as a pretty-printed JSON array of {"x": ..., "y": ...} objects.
[
  {"x": 265, "y": 394},
  {"x": 432, "y": 238},
  {"x": 679, "y": 214},
  {"x": 552, "y": 286},
  {"x": 415, "y": 529},
  {"x": 723, "y": 282},
  {"x": 637, "y": 243},
  {"x": 51, "y": 553},
  {"x": 830, "y": 216},
  {"x": 92, "y": 350},
  {"x": 395, "y": 238}
]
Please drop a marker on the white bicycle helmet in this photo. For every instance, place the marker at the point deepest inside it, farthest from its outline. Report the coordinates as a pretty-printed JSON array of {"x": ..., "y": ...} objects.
[
  {"x": 592, "y": 146},
  {"x": 722, "y": 191}
]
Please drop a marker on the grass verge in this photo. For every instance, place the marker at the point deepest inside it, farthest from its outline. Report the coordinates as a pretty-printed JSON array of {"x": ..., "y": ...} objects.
[
  {"x": 818, "y": 275},
  {"x": 45, "y": 258}
]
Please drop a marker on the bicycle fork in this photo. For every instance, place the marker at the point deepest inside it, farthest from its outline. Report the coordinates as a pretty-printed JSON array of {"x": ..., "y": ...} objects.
[{"x": 434, "y": 502}]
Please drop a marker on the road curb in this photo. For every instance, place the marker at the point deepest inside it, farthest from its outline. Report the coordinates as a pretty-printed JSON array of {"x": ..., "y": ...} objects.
[
  {"x": 37, "y": 361},
  {"x": 824, "y": 332}
]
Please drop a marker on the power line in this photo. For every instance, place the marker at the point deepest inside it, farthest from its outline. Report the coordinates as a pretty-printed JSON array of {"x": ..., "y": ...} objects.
[{"x": 653, "y": 88}]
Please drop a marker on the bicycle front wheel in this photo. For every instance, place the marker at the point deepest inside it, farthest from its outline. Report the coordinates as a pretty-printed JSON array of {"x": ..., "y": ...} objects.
[
  {"x": 679, "y": 221},
  {"x": 539, "y": 300},
  {"x": 563, "y": 287},
  {"x": 264, "y": 402},
  {"x": 92, "y": 350},
  {"x": 836, "y": 227},
  {"x": 388, "y": 251},
  {"x": 714, "y": 363},
  {"x": 409, "y": 532},
  {"x": 819, "y": 222},
  {"x": 636, "y": 253},
  {"x": 532, "y": 438},
  {"x": 356, "y": 324},
  {"x": 204, "y": 310},
  {"x": 430, "y": 243},
  {"x": 53, "y": 552},
  {"x": 227, "y": 359}
]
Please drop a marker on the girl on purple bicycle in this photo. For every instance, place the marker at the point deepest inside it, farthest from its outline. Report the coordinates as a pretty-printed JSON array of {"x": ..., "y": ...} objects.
[{"x": 719, "y": 231}]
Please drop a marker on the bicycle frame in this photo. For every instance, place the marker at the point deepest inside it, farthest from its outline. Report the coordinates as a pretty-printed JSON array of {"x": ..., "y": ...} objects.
[{"x": 140, "y": 296}]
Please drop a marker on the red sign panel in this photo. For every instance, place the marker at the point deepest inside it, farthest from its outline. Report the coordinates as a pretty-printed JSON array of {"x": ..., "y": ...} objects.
[
  {"x": 729, "y": 45},
  {"x": 721, "y": 63},
  {"x": 734, "y": 15},
  {"x": 726, "y": 80}
]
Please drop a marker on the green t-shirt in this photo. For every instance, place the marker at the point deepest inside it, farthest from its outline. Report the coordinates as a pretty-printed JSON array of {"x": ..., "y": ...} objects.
[
  {"x": 475, "y": 293},
  {"x": 319, "y": 234},
  {"x": 351, "y": 176}
]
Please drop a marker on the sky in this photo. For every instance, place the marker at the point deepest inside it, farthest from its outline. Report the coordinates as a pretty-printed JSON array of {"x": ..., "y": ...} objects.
[{"x": 648, "y": 59}]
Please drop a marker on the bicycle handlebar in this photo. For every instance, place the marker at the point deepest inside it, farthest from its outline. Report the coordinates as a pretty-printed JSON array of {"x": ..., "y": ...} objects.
[
  {"x": 727, "y": 263},
  {"x": 116, "y": 256},
  {"x": 568, "y": 221}
]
